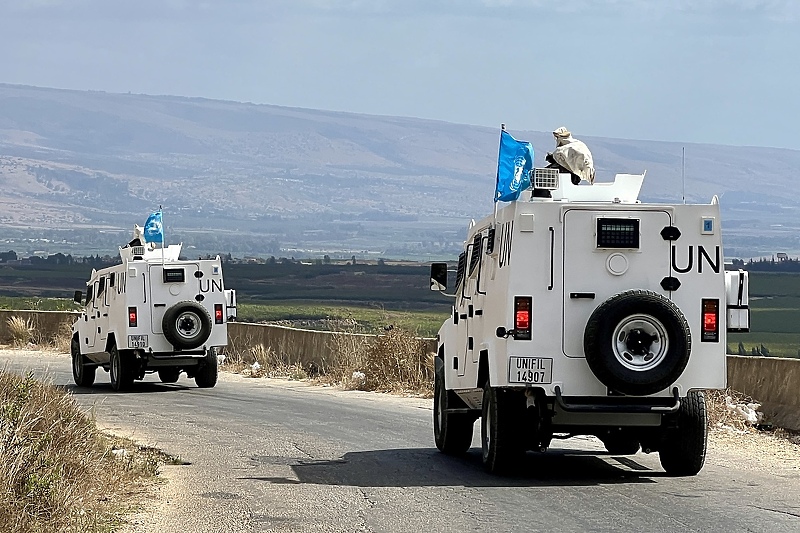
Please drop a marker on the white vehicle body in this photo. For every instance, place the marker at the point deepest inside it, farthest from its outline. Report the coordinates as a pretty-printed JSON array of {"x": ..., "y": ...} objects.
[
  {"x": 598, "y": 313},
  {"x": 152, "y": 312}
]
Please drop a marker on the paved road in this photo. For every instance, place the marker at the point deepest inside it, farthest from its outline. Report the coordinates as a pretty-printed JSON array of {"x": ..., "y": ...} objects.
[{"x": 268, "y": 455}]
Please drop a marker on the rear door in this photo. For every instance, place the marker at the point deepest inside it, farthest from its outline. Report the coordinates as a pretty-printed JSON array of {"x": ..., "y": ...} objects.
[
  {"x": 606, "y": 253},
  {"x": 170, "y": 284}
]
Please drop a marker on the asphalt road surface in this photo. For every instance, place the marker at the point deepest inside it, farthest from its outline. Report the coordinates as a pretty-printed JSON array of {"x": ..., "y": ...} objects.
[{"x": 272, "y": 455}]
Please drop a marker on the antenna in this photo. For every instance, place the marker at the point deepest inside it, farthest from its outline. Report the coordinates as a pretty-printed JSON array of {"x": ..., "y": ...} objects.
[{"x": 683, "y": 172}]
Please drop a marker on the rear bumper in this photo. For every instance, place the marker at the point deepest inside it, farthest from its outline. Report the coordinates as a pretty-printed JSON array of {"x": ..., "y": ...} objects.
[{"x": 613, "y": 404}]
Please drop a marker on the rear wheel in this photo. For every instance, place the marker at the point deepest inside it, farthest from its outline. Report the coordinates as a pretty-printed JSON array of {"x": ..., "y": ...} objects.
[
  {"x": 169, "y": 375},
  {"x": 451, "y": 431},
  {"x": 683, "y": 450},
  {"x": 123, "y": 368},
  {"x": 206, "y": 376},
  {"x": 502, "y": 438},
  {"x": 82, "y": 373}
]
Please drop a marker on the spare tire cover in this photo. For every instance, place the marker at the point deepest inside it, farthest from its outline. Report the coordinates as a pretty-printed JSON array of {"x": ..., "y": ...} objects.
[
  {"x": 186, "y": 325},
  {"x": 637, "y": 342}
]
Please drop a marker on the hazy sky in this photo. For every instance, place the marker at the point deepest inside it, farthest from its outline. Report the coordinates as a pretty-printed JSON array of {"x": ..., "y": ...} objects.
[{"x": 718, "y": 71}]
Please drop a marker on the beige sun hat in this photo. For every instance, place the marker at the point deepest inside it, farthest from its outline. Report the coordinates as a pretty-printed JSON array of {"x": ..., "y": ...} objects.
[{"x": 561, "y": 132}]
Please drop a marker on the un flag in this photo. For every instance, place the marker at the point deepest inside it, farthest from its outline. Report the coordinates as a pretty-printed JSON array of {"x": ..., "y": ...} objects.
[
  {"x": 514, "y": 164},
  {"x": 153, "y": 228}
]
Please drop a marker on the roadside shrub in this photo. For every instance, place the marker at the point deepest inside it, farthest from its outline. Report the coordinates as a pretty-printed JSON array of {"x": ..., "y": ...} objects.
[
  {"x": 58, "y": 472},
  {"x": 395, "y": 361},
  {"x": 261, "y": 361},
  {"x": 61, "y": 341},
  {"x": 21, "y": 331}
]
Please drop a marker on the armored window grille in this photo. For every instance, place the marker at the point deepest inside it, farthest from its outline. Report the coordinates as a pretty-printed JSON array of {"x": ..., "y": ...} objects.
[
  {"x": 475, "y": 256},
  {"x": 462, "y": 267},
  {"x": 618, "y": 233}
]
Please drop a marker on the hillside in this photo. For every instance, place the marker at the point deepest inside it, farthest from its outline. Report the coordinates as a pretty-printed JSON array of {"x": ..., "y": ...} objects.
[{"x": 78, "y": 169}]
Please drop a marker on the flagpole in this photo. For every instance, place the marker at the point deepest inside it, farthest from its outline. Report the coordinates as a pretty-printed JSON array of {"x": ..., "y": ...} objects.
[
  {"x": 497, "y": 179},
  {"x": 163, "y": 236}
]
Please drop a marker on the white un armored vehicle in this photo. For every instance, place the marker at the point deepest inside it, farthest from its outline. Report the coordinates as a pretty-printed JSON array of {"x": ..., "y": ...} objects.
[
  {"x": 580, "y": 310},
  {"x": 152, "y": 313}
]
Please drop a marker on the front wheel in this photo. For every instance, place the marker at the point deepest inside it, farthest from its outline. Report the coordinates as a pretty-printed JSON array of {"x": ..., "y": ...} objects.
[
  {"x": 502, "y": 418},
  {"x": 206, "y": 376},
  {"x": 82, "y": 373},
  {"x": 452, "y": 432},
  {"x": 683, "y": 451}
]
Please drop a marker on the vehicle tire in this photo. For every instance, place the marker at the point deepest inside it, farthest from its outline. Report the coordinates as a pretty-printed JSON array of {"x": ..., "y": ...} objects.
[
  {"x": 502, "y": 438},
  {"x": 206, "y": 376},
  {"x": 169, "y": 375},
  {"x": 621, "y": 445},
  {"x": 637, "y": 342},
  {"x": 82, "y": 373},
  {"x": 123, "y": 368},
  {"x": 683, "y": 450},
  {"x": 452, "y": 432},
  {"x": 186, "y": 325}
]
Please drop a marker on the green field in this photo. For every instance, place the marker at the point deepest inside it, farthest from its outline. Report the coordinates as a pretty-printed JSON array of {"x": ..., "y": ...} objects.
[
  {"x": 37, "y": 304},
  {"x": 774, "y": 316},
  {"x": 356, "y": 319},
  {"x": 370, "y": 298}
]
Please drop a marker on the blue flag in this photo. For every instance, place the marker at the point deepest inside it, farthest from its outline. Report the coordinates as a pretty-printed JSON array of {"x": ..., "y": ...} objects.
[
  {"x": 153, "y": 228},
  {"x": 513, "y": 168}
]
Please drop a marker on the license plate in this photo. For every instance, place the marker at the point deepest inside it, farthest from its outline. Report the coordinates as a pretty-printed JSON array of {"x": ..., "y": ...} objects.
[
  {"x": 533, "y": 370},
  {"x": 137, "y": 341}
]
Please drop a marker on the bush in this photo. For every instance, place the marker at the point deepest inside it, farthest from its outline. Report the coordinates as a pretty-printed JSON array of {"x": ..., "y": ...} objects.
[
  {"x": 395, "y": 361},
  {"x": 21, "y": 330},
  {"x": 58, "y": 472}
]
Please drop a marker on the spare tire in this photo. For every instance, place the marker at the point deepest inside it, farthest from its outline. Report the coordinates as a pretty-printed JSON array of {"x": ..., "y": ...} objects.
[
  {"x": 186, "y": 325},
  {"x": 637, "y": 342}
]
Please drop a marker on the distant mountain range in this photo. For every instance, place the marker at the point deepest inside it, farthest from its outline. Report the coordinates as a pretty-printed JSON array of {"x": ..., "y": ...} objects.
[{"x": 78, "y": 169}]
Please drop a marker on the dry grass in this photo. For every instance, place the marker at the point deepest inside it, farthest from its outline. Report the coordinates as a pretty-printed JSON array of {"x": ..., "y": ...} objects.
[
  {"x": 396, "y": 361},
  {"x": 722, "y": 418},
  {"x": 393, "y": 362},
  {"x": 261, "y": 361},
  {"x": 22, "y": 331},
  {"x": 61, "y": 341},
  {"x": 57, "y": 471},
  {"x": 25, "y": 333}
]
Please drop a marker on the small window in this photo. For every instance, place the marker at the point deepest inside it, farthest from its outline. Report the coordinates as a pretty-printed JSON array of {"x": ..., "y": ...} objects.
[
  {"x": 174, "y": 275},
  {"x": 101, "y": 285},
  {"x": 89, "y": 294},
  {"x": 618, "y": 233},
  {"x": 111, "y": 279},
  {"x": 462, "y": 267},
  {"x": 475, "y": 256}
]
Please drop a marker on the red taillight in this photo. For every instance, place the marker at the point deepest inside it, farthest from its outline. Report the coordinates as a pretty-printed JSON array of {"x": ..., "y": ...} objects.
[
  {"x": 523, "y": 320},
  {"x": 132, "y": 318},
  {"x": 522, "y": 317},
  {"x": 710, "y": 331},
  {"x": 218, "y": 313}
]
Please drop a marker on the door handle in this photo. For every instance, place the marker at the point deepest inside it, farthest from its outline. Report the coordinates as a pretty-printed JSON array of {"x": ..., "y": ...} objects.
[{"x": 578, "y": 295}]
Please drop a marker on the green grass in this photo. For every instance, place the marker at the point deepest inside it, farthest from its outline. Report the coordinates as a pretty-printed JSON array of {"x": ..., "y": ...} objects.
[
  {"x": 369, "y": 319},
  {"x": 37, "y": 304},
  {"x": 778, "y": 344}
]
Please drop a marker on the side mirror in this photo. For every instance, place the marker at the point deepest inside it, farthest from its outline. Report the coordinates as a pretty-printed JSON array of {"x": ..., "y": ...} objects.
[
  {"x": 439, "y": 277},
  {"x": 78, "y": 297}
]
